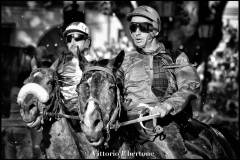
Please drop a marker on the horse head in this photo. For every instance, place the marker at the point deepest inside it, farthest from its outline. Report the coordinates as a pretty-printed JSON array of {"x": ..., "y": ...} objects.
[
  {"x": 37, "y": 93},
  {"x": 99, "y": 98}
]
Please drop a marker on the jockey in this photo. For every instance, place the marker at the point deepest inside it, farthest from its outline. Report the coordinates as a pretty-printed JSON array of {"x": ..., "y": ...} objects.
[
  {"x": 78, "y": 42},
  {"x": 154, "y": 82},
  {"x": 67, "y": 66}
]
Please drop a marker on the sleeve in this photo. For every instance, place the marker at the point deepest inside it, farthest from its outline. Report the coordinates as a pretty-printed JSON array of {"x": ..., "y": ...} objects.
[
  {"x": 123, "y": 76},
  {"x": 122, "y": 71},
  {"x": 188, "y": 83}
]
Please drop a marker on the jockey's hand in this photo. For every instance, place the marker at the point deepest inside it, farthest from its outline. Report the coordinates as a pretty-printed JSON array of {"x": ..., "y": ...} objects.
[
  {"x": 126, "y": 103},
  {"x": 162, "y": 109},
  {"x": 146, "y": 108}
]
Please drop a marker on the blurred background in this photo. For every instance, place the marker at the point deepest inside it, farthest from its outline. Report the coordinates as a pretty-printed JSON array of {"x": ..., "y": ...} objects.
[{"x": 207, "y": 31}]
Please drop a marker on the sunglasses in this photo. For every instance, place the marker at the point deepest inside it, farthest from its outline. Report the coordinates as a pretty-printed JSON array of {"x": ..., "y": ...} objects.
[
  {"x": 143, "y": 27},
  {"x": 76, "y": 37}
]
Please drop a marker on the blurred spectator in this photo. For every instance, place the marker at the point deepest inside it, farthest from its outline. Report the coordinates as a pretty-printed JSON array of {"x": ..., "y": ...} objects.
[{"x": 223, "y": 89}]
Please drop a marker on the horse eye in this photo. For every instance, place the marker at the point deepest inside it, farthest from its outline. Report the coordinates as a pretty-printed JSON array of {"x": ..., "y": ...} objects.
[
  {"x": 111, "y": 87},
  {"x": 87, "y": 87},
  {"x": 50, "y": 82}
]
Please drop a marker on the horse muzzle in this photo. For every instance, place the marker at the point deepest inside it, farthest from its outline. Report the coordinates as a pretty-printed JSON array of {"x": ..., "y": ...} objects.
[
  {"x": 28, "y": 98},
  {"x": 94, "y": 134}
]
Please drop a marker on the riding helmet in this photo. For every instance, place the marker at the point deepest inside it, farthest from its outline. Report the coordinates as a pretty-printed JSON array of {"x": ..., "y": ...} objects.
[
  {"x": 76, "y": 27},
  {"x": 147, "y": 12}
]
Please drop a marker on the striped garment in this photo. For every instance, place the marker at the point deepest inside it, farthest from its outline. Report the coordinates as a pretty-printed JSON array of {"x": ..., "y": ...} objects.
[
  {"x": 160, "y": 79},
  {"x": 70, "y": 75}
]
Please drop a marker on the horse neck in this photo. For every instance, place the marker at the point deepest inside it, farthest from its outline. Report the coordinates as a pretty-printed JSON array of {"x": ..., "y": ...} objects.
[{"x": 56, "y": 99}]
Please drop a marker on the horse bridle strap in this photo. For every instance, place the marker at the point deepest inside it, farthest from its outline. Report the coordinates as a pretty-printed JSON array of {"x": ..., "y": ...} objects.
[
  {"x": 118, "y": 108},
  {"x": 116, "y": 125},
  {"x": 99, "y": 68}
]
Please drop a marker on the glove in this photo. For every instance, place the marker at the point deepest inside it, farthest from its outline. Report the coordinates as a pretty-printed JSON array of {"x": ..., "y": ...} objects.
[
  {"x": 162, "y": 109},
  {"x": 146, "y": 108}
]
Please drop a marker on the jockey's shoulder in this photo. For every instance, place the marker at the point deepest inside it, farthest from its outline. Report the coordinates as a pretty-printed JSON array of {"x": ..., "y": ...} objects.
[
  {"x": 132, "y": 53},
  {"x": 182, "y": 58},
  {"x": 129, "y": 55},
  {"x": 177, "y": 60}
]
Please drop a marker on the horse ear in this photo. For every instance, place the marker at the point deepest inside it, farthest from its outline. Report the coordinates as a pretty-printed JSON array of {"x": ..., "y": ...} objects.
[
  {"x": 117, "y": 61},
  {"x": 82, "y": 60}
]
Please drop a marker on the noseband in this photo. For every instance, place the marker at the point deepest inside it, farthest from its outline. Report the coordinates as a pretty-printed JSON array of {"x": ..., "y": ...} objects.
[
  {"x": 55, "y": 102},
  {"x": 117, "y": 110}
]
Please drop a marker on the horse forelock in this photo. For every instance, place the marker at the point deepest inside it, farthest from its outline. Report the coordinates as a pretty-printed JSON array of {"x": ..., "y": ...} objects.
[{"x": 97, "y": 84}]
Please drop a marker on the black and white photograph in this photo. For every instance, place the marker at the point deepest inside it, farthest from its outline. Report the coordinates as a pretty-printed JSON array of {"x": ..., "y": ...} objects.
[{"x": 119, "y": 79}]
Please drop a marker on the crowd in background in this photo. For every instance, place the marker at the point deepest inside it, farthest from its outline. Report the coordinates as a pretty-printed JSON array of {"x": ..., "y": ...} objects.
[
  {"x": 223, "y": 88},
  {"x": 221, "y": 105}
]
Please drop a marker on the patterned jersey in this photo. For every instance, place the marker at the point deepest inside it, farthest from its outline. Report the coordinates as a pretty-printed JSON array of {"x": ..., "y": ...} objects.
[
  {"x": 158, "y": 80},
  {"x": 70, "y": 75}
]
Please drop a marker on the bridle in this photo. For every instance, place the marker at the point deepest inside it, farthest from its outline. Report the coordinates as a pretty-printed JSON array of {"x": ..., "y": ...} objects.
[
  {"x": 116, "y": 113},
  {"x": 113, "y": 122},
  {"x": 55, "y": 102}
]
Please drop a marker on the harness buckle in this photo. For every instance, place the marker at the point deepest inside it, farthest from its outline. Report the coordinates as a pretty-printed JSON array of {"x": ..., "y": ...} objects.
[{"x": 158, "y": 129}]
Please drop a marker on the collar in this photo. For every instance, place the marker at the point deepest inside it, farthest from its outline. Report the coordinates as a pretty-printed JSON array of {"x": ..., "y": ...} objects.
[{"x": 160, "y": 49}]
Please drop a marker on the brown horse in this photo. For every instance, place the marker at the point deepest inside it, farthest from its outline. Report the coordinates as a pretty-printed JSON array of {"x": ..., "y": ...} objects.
[
  {"x": 101, "y": 111},
  {"x": 40, "y": 99},
  {"x": 99, "y": 97}
]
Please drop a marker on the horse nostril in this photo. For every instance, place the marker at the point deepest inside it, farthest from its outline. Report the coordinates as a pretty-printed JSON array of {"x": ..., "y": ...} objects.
[
  {"x": 96, "y": 122},
  {"x": 31, "y": 106}
]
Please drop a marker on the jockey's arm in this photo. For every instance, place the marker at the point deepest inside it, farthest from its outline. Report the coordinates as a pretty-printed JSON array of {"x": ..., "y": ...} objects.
[{"x": 188, "y": 83}]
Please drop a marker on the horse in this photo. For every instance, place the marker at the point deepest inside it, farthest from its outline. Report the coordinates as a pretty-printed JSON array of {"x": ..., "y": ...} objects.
[
  {"x": 107, "y": 129},
  {"x": 40, "y": 97},
  {"x": 100, "y": 102}
]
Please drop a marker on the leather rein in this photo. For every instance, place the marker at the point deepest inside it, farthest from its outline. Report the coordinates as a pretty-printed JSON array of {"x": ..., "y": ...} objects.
[
  {"x": 117, "y": 110},
  {"x": 113, "y": 123}
]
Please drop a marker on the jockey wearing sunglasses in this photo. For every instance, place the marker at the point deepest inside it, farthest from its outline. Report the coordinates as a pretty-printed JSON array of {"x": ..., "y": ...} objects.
[
  {"x": 144, "y": 27},
  {"x": 76, "y": 36},
  {"x": 155, "y": 83}
]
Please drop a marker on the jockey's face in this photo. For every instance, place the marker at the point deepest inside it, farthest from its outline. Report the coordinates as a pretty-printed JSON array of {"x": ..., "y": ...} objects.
[
  {"x": 74, "y": 40},
  {"x": 141, "y": 30}
]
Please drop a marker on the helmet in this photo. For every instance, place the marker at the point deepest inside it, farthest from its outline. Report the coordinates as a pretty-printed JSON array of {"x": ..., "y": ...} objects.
[
  {"x": 76, "y": 27},
  {"x": 147, "y": 12}
]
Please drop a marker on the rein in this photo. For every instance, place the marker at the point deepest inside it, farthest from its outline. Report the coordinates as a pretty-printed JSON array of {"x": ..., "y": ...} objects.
[
  {"x": 118, "y": 108},
  {"x": 117, "y": 125},
  {"x": 57, "y": 103},
  {"x": 112, "y": 124}
]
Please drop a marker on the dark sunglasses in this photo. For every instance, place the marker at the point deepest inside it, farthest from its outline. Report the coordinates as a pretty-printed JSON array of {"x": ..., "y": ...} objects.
[
  {"x": 77, "y": 37},
  {"x": 143, "y": 27}
]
